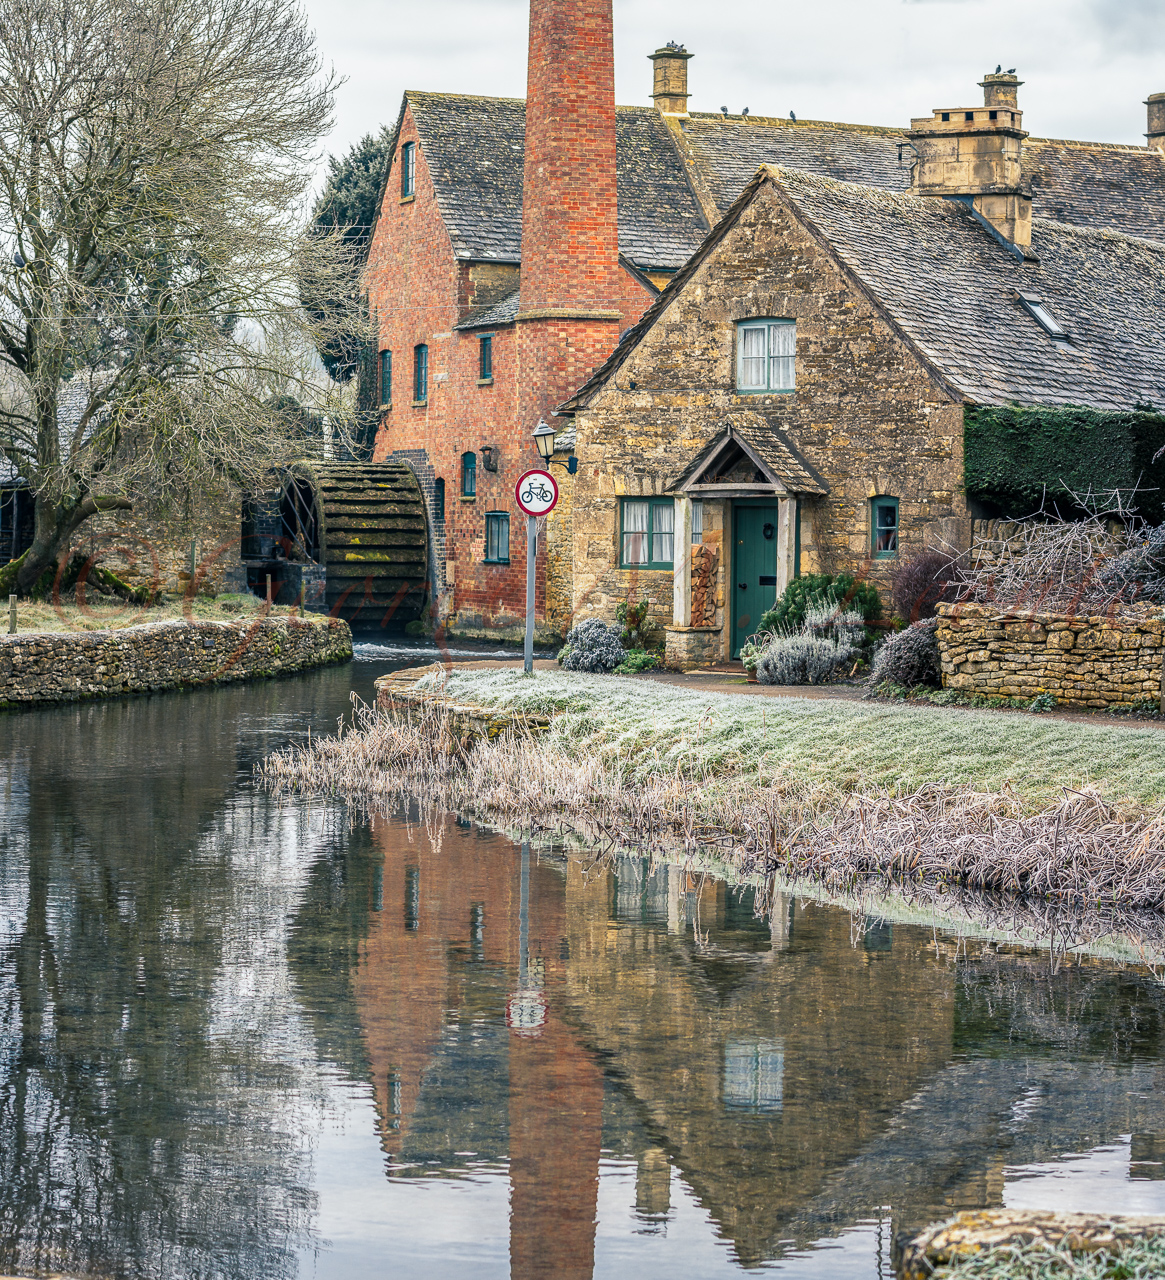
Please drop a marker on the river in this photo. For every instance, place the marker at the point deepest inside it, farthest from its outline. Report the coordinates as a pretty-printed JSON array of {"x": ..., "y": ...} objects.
[{"x": 244, "y": 1037}]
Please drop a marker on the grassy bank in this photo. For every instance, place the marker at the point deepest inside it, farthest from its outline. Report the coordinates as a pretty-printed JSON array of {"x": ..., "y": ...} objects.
[
  {"x": 108, "y": 613},
  {"x": 655, "y": 729}
]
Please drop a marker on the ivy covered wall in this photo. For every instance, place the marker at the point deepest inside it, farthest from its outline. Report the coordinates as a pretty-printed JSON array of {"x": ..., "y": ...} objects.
[{"x": 1013, "y": 455}]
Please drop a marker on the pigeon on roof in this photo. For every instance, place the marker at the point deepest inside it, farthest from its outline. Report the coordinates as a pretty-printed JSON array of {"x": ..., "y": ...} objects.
[
  {"x": 999, "y": 68},
  {"x": 792, "y": 117}
]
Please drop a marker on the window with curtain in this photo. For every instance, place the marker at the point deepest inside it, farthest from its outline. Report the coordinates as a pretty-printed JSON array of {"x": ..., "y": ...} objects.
[
  {"x": 884, "y": 527},
  {"x": 766, "y": 355},
  {"x": 408, "y": 169},
  {"x": 420, "y": 373},
  {"x": 469, "y": 475},
  {"x": 697, "y": 523},
  {"x": 497, "y": 537},
  {"x": 386, "y": 377},
  {"x": 647, "y": 532}
]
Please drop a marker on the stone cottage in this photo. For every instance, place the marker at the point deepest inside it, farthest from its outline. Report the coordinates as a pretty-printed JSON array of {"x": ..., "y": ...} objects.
[
  {"x": 516, "y": 242},
  {"x": 795, "y": 399}
]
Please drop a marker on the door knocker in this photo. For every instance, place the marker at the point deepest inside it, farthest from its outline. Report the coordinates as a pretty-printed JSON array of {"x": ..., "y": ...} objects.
[{"x": 768, "y": 531}]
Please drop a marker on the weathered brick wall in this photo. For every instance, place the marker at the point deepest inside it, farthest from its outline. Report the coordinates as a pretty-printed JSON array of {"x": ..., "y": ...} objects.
[
  {"x": 75, "y": 666},
  {"x": 865, "y": 413},
  {"x": 1082, "y": 661}
]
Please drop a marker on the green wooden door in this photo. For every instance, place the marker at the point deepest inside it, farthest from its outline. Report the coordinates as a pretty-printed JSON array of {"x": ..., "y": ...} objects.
[{"x": 754, "y": 568}]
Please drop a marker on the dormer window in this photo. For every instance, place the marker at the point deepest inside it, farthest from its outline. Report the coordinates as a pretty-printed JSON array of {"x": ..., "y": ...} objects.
[{"x": 1033, "y": 304}]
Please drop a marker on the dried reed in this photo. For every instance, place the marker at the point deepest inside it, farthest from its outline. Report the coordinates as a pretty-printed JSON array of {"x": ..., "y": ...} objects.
[{"x": 1081, "y": 851}]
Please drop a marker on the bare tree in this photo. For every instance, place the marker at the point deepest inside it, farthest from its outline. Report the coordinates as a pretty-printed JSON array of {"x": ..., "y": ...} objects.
[{"x": 153, "y": 159}]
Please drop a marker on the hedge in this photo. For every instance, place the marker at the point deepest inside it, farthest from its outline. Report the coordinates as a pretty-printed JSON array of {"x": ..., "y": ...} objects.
[{"x": 1013, "y": 455}]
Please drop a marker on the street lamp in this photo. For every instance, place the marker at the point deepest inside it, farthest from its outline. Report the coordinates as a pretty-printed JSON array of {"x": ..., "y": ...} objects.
[{"x": 544, "y": 435}]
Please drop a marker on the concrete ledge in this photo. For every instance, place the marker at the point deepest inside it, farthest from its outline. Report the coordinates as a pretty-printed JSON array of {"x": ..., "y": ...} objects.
[
  {"x": 397, "y": 694},
  {"x": 76, "y": 666},
  {"x": 972, "y": 1233}
]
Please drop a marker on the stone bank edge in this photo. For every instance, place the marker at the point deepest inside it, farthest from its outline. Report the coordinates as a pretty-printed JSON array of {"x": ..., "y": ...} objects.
[
  {"x": 1097, "y": 661},
  {"x": 75, "y": 666}
]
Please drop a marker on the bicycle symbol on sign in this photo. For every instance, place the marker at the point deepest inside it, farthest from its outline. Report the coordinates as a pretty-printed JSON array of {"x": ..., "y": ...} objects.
[{"x": 536, "y": 492}]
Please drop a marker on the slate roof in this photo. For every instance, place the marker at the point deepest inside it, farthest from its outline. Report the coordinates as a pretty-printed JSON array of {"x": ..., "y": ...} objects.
[
  {"x": 1089, "y": 184},
  {"x": 949, "y": 288},
  {"x": 504, "y": 311},
  {"x": 474, "y": 148},
  {"x": 767, "y": 441}
]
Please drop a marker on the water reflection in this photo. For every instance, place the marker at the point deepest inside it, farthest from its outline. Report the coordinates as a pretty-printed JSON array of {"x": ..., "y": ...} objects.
[{"x": 244, "y": 1038}]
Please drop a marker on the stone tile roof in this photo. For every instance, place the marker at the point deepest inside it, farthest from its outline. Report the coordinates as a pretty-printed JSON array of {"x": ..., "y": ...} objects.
[
  {"x": 474, "y": 148},
  {"x": 951, "y": 290},
  {"x": 1088, "y": 184},
  {"x": 767, "y": 442},
  {"x": 504, "y": 311}
]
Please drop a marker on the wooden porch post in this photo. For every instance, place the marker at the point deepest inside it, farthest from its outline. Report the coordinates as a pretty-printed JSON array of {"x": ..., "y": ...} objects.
[
  {"x": 786, "y": 542},
  {"x": 682, "y": 560}
]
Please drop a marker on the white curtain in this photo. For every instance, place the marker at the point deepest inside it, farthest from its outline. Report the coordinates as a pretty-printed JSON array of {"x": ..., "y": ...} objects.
[
  {"x": 782, "y": 356},
  {"x": 752, "y": 358},
  {"x": 634, "y": 532},
  {"x": 663, "y": 532}
]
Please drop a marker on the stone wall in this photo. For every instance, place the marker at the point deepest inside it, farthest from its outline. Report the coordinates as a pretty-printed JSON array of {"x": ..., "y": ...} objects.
[
  {"x": 1082, "y": 661},
  {"x": 71, "y": 666}
]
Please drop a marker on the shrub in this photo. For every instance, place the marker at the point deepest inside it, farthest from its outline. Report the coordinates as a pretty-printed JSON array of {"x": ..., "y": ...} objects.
[
  {"x": 909, "y": 658},
  {"x": 788, "y": 613},
  {"x": 803, "y": 659},
  {"x": 592, "y": 646},
  {"x": 636, "y": 660},
  {"x": 636, "y": 626},
  {"x": 921, "y": 583}
]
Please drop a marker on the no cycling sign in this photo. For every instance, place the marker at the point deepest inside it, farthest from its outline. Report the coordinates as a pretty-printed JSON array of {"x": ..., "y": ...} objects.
[{"x": 537, "y": 493}]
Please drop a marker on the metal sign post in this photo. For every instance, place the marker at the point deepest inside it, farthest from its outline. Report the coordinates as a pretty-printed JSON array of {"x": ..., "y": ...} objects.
[{"x": 537, "y": 495}]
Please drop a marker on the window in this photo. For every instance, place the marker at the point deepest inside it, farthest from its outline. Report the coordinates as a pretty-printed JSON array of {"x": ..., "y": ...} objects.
[
  {"x": 420, "y": 374},
  {"x": 485, "y": 360},
  {"x": 386, "y": 377},
  {"x": 497, "y": 538},
  {"x": 469, "y": 475},
  {"x": 884, "y": 527},
  {"x": 439, "y": 500},
  {"x": 697, "y": 523},
  {"x": 647, "y": 532},
  {"x": 1033, "y": 304},
  {"x": 766, "y": 355},
  {"x": 408, "y": 170},
  {"x": 754, "y": 1076}
]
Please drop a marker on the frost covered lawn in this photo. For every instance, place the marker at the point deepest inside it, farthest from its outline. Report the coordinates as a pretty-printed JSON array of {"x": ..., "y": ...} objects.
[{"x": 658, "y": 728}]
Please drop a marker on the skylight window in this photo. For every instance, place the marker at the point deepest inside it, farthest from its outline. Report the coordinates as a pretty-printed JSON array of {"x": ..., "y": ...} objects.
[{"x": 1034, "y": 305}]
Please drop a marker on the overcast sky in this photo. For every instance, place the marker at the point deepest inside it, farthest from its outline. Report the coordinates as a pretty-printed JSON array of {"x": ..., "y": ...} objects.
[{"x": 1088, "y": 65}]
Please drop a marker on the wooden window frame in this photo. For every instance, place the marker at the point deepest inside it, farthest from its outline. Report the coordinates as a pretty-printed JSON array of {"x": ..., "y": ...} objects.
[
  {"x": 469, "y": 474},
  {"x": 386, "y": 377},
  {"x": 498, "y": 520},
  {"x": 439, "y": 499},
  {"x": 885, "y": 500},
  {"x": 768, "y": 324},
  {"x": 421, "y": 373},
  {"x": 652, "y": 505},
  {"x": 408, "y": 170},
  {"x": 485, "y": 357}
]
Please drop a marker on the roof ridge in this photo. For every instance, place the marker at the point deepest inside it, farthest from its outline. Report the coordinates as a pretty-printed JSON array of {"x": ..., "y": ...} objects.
[
  {"x": 780, "y": 121},
  {"x": 1082, "y": 142}
]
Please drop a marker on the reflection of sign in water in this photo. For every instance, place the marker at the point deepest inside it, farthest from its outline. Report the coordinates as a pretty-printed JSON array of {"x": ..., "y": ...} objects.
[
  {"x": 537, "y": 492},
  {"x": 526, "y": 1012},
  {"x": 754, "y": 1076}
]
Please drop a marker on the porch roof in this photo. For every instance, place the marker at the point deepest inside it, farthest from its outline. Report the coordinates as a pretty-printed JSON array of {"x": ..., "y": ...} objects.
[{"x": 768, "y": 448}]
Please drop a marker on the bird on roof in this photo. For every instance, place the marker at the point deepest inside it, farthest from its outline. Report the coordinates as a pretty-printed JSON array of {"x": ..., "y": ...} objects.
[
  {"x": 723, "y": 111},
  {"x": 744, "y": 112},
  {"x": 792, "y": 117},
  {"x": 999, "y": 68},
  {"x": 1011, "y": 71}
]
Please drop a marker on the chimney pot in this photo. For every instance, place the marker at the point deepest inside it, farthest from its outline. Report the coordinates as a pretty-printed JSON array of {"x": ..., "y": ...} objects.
[
  {"x": 1156, "y": 135},
  {"x": 670, "y": 88},
  {"x": 1001, "y": 90}
]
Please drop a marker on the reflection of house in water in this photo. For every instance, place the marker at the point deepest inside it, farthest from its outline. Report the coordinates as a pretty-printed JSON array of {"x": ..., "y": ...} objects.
[{"x": 799, "y": 1075}]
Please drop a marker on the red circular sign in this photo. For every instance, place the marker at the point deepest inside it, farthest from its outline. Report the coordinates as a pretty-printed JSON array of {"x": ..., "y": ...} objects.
[{"x": 537, "y": 493}]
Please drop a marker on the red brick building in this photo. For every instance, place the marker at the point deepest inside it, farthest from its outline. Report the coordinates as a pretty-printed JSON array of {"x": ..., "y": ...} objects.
[{"x": 517, "y": 242}]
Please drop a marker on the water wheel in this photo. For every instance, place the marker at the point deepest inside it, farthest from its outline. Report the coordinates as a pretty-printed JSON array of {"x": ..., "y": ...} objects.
[{"x": 373, "y": 541}]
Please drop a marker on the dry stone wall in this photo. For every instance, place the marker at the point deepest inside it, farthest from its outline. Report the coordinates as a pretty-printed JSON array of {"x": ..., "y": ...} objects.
[
  {"x": 71, "y": 666},
  {"x": 1082, "y": 661}
]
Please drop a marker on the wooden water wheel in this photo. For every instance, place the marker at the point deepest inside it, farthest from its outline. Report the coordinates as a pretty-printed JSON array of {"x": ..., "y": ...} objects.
[{"x": 373, "y": 541}]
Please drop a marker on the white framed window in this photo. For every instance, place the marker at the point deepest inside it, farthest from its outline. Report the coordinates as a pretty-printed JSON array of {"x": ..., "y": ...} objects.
[
  {"x": 766, "y": 356},
  {"x": 697, "y": 522}
]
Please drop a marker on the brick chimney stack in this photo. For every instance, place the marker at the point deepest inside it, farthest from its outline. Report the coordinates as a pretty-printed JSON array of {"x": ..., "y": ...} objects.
[
  {"x": 670, "y": 90},
  {"x": 1156, "y": 134},
  {"x": 570, "y": 217},
  {"x": 976, "y": 154}
]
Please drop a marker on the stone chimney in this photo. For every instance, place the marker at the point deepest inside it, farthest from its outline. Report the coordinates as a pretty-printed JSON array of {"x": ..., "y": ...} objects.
[
  {"x": 570, "y": 219},
  {"x": 670, "y": 90},
  {"x": 1156, "y": 134},
  {"x": 976, "y": 154}
]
